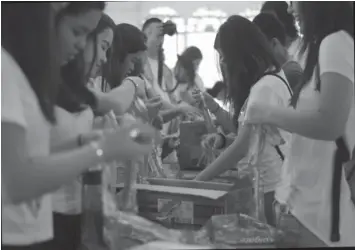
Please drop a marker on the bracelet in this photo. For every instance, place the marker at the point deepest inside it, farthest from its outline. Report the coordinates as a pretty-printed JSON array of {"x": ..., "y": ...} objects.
[
  {"x": 224, "y": 141},
  {"x": 216, "y": 109}
]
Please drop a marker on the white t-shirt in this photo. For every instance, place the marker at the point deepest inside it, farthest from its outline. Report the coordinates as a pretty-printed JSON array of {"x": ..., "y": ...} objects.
[
  {"x": 272, "y": 91},
  {"x": 310, "y": 162},
  {"x": 29, "y": 222},
  {"x": 67, "y": 199},
  {"x": 154, "y": 68}
]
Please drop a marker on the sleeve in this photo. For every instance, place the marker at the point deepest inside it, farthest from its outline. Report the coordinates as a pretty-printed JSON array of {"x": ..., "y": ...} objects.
[
  {"x": 266, "y": 93},
  {"x": 12, "y": 78},
  {"x": 336, "y": 54}
]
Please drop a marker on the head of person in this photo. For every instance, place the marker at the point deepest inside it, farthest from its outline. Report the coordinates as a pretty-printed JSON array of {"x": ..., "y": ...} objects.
[
  {"x": 275, "y": 33},
  {"x": 127, "y": 54},
  {"x": 281, "y": 10},
  {"x": 73, "y": 24},
  {"x": 154, "y": 40},
  {"x": 30, "y": 38},
  {"x": 77, "y": 31},
  {"x": 317, "y": 21},
  {"x": 245, "y": 56},
  {"x": 188, "y": 64},
  {"x": 97, "y": 49}
]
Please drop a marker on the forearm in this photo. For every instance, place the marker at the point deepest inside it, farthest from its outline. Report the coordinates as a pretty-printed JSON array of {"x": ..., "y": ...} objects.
[
  {"x": 311, "y": 124},
  {"x": 37, "y": 176},
  {"x": 226, "y": 161},
  {"x": 119, "y": 99},
  {"x": 72, "y": 143},
  {"x": 229, "y": 157},
  {"x": 168, "y": 115}
]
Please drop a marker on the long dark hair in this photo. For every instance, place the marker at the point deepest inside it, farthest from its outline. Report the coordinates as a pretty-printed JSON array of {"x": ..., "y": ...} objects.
[
  {"x": 75, "y": 8},
  {"x": 73, "y": 95},
  {"x": 127, "y": 39},
  {"x": 319, "y": 20},
  {"x": 271, "y": 27},
  {"x": 161, "y": 56},
  {"x": 185, "y": 61},
  {"x": 280, "y": 9},
  {"x": 247, "y": 56},
  {"x": 28, "y": 34}
]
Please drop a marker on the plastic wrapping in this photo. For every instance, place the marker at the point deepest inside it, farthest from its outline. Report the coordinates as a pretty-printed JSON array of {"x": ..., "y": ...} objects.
[
  {"x": 124, "y": 230},
  {"x": 237, "y": 230}
]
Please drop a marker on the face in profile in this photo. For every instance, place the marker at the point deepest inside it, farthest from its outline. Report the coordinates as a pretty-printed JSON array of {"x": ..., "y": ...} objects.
[
  {"x": 73, "y": 31},
  {"x": 279, "y": 50},
  {"x": 196, "y": 63},
  {"x": 132, "y": 61},
  {"x": 155, "y": 39},
  {"x": 94, "y": 64}
]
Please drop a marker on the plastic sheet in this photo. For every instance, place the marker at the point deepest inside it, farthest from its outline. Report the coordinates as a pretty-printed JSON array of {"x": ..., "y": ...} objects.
[
  {"x": 240, "y": 230},
  {"x": 124, "y": 230}
]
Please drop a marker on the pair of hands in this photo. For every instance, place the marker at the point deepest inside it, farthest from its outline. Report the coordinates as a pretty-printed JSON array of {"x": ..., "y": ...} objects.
[
  {"x": 212, "y": 141},
  {"x": 132, "y": 140},
  {"x": 258, "y": 113}
]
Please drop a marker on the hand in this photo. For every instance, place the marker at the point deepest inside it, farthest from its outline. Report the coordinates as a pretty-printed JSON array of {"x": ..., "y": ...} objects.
[
  {"x": 212, "y": 141},
  {"x": 188, "y": 109},
  {"x": 186, "y": 96},
  {"x": 129, "y": 142},
  {"x": 154, "y": 106},
  {"x": 91, "y": 136},
  {"x": 197, "y": 97},
  {"x": 158, "y": 122},
  {"x": 173, "y": 141}
]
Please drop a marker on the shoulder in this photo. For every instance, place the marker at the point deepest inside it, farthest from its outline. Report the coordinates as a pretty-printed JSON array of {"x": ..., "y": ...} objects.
[
  {"x": 336, "y": 54},
  {"x": 11, "y": 73},
  {"x": 272, "y": 84},
  {"x": 339, "y": 40},
  {"x": 16, "y": 92}
]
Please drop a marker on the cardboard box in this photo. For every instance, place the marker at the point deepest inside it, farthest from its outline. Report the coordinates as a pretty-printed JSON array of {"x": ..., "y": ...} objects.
[{"x": 198, "y": 201}]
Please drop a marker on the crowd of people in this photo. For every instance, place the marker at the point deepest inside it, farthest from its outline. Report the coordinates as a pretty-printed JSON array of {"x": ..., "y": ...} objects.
[{"x": 66, "y": 64}]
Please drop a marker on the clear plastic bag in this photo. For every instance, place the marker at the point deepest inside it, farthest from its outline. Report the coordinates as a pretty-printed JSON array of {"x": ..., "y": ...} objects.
[{"x": 240, "y": 230}]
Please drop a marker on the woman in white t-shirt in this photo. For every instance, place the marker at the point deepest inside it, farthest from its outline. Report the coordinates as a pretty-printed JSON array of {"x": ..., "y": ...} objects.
[
  {"x": 73, "y": 121},
  {"x": 252, "y": 74},
  {"x": 29, "y": 171},
  {"x": 324, "y": 112}
]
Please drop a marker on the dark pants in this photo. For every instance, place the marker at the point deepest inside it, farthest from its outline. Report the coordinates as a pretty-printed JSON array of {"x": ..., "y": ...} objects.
[
  {"x": 269, "y": 199},
  {"x": 67, "y": 231},
  {"x": 39, "y": 246}
]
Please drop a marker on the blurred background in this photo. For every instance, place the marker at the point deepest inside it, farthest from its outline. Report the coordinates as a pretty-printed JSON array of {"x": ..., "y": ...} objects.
[{"x": 197, "y": 24}]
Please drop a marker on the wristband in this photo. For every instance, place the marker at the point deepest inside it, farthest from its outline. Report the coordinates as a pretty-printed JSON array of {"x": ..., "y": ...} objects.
[{"x": 224, "y": 141}]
